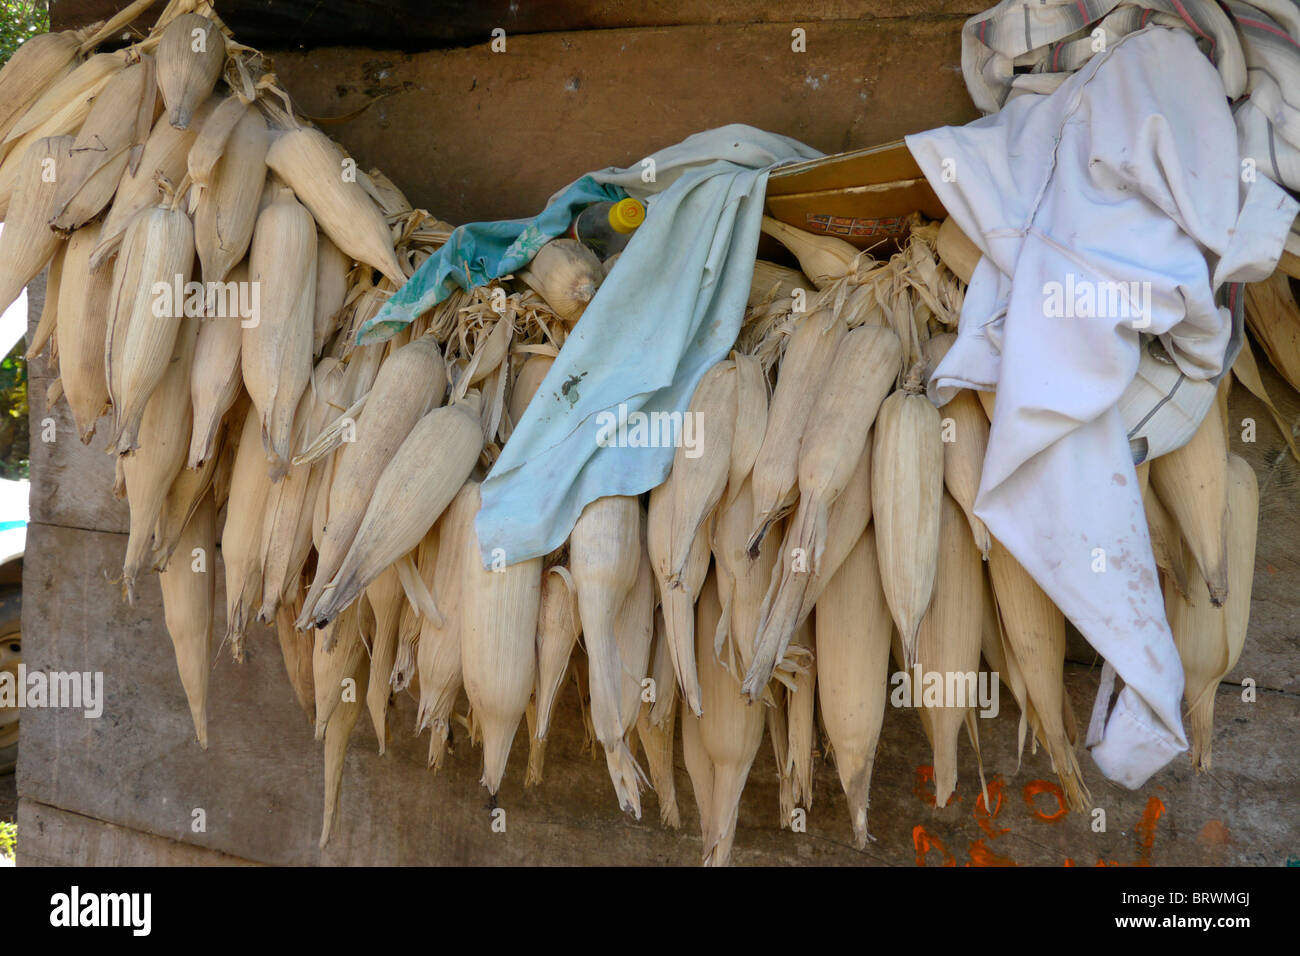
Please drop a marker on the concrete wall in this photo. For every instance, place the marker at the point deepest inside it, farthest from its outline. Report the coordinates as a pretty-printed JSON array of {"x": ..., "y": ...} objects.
[{"x": 470, "y": 134}]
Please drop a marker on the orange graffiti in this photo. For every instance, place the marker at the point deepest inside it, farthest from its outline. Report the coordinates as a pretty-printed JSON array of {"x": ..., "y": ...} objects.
[
  {"x": 982, "y": 814},
  {"x": 924, "y": 777},
  {"x": 1033, "y": 788},
  {"x": 924, "y": 842},
  {"x": 981, "y": 855},
  {"x": 1146, "y": 830}
]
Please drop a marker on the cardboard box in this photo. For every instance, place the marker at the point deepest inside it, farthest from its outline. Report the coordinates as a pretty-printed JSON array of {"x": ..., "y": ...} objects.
[{"x": 865, "y": 196}]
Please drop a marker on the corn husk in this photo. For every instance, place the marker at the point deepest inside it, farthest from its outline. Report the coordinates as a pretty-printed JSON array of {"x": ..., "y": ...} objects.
[
  {"x": 226, "y": 212},
  {"x": 1034, "y": 631},
  {"x": 387, "y": 598},
  {"x": 1166, "y": 541},
  {"x": 64, "y": 104},
  {"x": 334, "y": 658},
  {"x": 296, "y": 649},
  {"x": 498, "y": 648},
  {"x": 332, "y": 268},
  {"x": 83, "y": 302},
  {"x": 191, "y": 53},
  {"x": 557, "y": 633},
  {"x": 699, "y": 475},
  {"x": 906, "y": 490},
  {"x": 151, "y": 469},
  {"x": 26, "y": 242},
  {"x": 241, "y": 538},
  {"x": 109, "y": 143},
  {"x": 657, "y": 738},
  {"x": 314, "y": 168},
  {"x": 677, "y": 598},
  {"x": 1192, "y": 482},
  {"x": 800, "y": 698},
  {"x": 634, "y": 634},
  {"x": 210, "y": 137},
  {"x": 425, "y": 561},
  {"x": 276, "y": 346},
  {"x": 956, "y": 251},
  {"x": 36, "y": 65},
  {"x": 188, "y": 594},
  {"x": 772, "y": 281},
  {"x": 808, "y": 358},
  {"x": 338, "y": 730},
  {"x": 46, "y": 325},
  {"x": 566, "y": 274},
  {"x": 730, "y": 731},
  {"x": 822, "y": 258},
  {"x": 217, "y": 378},
  {"x": 409, "y": 383},
  {"x": 439, "y": 652},
  {"x": 424, "y": 475},
  {"x": 184, "y": 495},
  {"x": 1273, "y": 314},
  {"x": 529, "y": 379},
  {"x": 949, "y": 640},
  {"x": 157, "y": 248}
]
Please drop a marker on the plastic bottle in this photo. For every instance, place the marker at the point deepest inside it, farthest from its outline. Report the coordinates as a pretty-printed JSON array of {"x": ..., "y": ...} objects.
[{"x": 606, "y": 227}]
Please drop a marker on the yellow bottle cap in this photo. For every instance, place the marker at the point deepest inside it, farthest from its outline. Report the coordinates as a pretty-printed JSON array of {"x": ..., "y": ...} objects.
[{"x": 625, "y": 215}]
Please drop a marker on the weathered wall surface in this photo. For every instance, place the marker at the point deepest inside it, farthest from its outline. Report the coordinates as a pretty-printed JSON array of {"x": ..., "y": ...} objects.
[{"x": 471, "y": 134}]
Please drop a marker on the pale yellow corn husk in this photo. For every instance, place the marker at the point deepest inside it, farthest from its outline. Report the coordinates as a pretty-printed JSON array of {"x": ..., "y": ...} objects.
[
  {"x": 790, "y": 588},
  {"x": 536, "y": 748},
  {"x": 217, "y": 378},
  {"x": 184, "y": 495},
  {"x": 296, "y": 649},
  {"x": 35, "y": 66},
  {"x": 386, "y": 596},
  {"x": 949, "y": 640},
  {"x": 1273, "y": 314},
  {"x": 604, "y": 559},
  {"x": 526, "y": 383},
  {"x": 109, "y": 143},
  {"x": 334, "y": 657},
  {"x": 698, "y": 767},
  {"x": 1246, "y": 370},
  {"x": 906, "y": 489},
  {"x": 822, "y": 258},
  {"x": 956, "y": 251},
  {"x": 742, "y": 585},
  {"x": 963, "y": 457},
  {"x": 66, "y": 102},
  {"x": 1210, "y": 639},
  {"x": 332, "y": 268},
  {"x": 312, "y": 165},
  {"x": 1166, "y": 541},
  {"x": 778, "y": 731},
  {"x": 1002, "y": 661},
  {"x": 232, "y": 428},
  {"x": 408, "y": 632},
  {"x": 439, "y": 652},
  {"x": 808, "y": 358},
  {"x": 226, "y": 211},
  {"x": 48, "y": 322},
  {"x": 751, "y": 421},
  {"x": 557, "y": 633},
  {"x": 1034, "y": 630},
  {"x": 772, "y": 281},
  {"x": 211, "y": 134},
  {"x": 424, "y": 475},
  {"x": 337, "y": 733},
  {"x": 730, "y": 731},
  {"x": 498, "y": 648},
  {"x": 634, "y": 636},
  {"x": 1192, "y": 482},
  {"x": 800, "y": 721},
  {"x": 164, "y": 155},
  {"x": 986, "y": 400},
  {"x": 151, "y": 469},
  {"x": 677, "y": 597},
  {"x": 853, "y": 631},
  {"x": 657, "y": 738},
  {"x": 241, "y": 538},
  {"x": 191, "y": 53},
  {"x": 188, "y": 594},
  {"x": 860, "y": 377},
  {"x": 276, "y": 345},
  {"x": 410, "y": 382},
  {"x": 566, "y": 274},
  {"x": 158, "y": 247},
  {"x": 26, "y": 243},
  {"x": 699, "y": 473},
  {"x": 83, "y": 302}
]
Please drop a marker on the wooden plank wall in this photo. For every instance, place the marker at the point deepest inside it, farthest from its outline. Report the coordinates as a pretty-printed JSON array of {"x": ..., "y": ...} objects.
[{"x": 471, "y": 134}]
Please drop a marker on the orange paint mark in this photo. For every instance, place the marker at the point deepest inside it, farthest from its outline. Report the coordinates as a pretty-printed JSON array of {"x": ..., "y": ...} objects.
[
  {"x": 1214, "y": 833},
  {"x": 981, "y": 855},
  {"x": 1146, "y": 830},
  {"x": 1033, "y": 788},
  {"x": 1069, "y": 862},
  {"x": 1270, "y": 568},
  {"x": 982, "y": 814},
  {"x": 924, "y": 842},
  {"x": 923, "y": 785}
]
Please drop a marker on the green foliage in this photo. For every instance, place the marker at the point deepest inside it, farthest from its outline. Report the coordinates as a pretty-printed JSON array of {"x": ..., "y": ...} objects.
[
  {"x": 8, "y": 839},
  {"x": 20, "y": 20}
]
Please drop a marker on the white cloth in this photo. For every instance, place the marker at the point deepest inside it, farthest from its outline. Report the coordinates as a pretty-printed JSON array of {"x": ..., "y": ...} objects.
[
  {"x": 670, "y": 310},
  {"x": 1128, "y": 172}
]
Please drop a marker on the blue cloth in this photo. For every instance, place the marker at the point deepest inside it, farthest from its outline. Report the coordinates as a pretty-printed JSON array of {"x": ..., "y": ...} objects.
[
  {"x": 669, "y": 311},
  {"x": 478, "y": 252}
]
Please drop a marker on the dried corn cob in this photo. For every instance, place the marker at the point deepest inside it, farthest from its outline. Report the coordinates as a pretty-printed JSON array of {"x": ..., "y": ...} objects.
[
  {"x": 191, "y": 52},
  {"x": 226, "y": 211}
]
